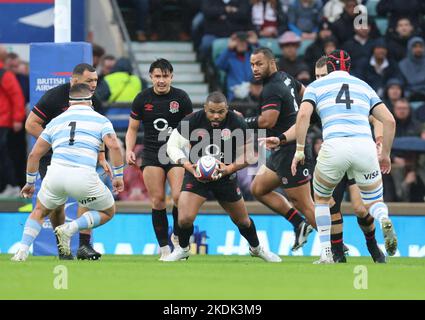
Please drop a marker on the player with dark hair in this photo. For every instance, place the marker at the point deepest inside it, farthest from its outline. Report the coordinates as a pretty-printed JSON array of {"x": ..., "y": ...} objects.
[
  {"x": 160, "y": 109},
  {"x": 54, "y": 102},
  {"x": 344, "y": 104},
  {"x": 277, "y": 113},
  {"x": 220, "y": 133}
]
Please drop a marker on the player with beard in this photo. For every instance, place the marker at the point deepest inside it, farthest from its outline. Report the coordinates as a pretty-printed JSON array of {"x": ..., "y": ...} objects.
[
  {"x": 277, "y": 113},
  {"x": 221, "y": 133}
]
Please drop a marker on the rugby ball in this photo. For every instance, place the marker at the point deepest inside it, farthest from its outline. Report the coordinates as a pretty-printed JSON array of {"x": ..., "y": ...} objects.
[{"x": 206, "y": 167}]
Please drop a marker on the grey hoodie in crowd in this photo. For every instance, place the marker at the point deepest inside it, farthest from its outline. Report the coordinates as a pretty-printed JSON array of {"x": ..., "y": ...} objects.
[{"x": 413, "y": 69}]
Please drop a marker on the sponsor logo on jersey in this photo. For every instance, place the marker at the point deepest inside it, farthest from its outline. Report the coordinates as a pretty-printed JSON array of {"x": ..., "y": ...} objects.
[
  {"x": 174, "y": 107},
  {"x": 372, "y": 175},
  {"x": 88, "y": 200},
  {"x": 226, "y": 134},
  {"x": 148, "y": 107}
]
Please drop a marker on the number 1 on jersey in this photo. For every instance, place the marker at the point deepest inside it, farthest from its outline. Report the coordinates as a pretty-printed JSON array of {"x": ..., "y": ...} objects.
[
  {"x": 72, "y": 124},
  {"x": 345, "y": 90}
]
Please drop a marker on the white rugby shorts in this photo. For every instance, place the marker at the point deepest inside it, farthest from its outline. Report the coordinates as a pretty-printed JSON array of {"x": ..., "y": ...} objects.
[
  {"x": 356, "y": 156},
  {"x": 82, "y": 184}
]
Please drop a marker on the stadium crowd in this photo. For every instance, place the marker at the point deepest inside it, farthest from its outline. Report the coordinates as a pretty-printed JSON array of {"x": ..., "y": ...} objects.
[{"x": 388, "y": 52}]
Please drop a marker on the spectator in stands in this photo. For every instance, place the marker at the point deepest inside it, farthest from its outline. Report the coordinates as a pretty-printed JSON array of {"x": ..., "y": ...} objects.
[
  {"x": 17, "y": 141},
  {"x": 248, "y": 106},
  {"x": 333, "y": 9},
  {"x": 360, "y": 47},
  {"x": 404, "y": 163},
  {"x": 121, "y": 85},
  {"x": 413, "y": 70},
  {"x": 329, "y": 45},
  {"x": 290, "y": 62},
  {"x": 141, "y": 8},
  {"x": 172, "y": 19},
  {"x": 223, "y": 18},
  {"x": 304, "y": 18},
  {"x": 393, "y": 92},
  {"x": 255, "y": 88},
  {"x": 12, "y": 116},
  {"x": 268, "y": 18},
  {"x": 397, "y": 40},
  {"x": 235, "y": 61},
  {"x": 98, "y": 53},
  {"x": 14, "y": 64},
  {"x": 406, "y": 124},
  {"x": 379, "y": 69},
  {"x": 106, "y": 66},
  {"x": 303, "y": 75},
  {"x": 343, "y": 28},
  {"x": 394, "y": 9},
  {"x": 316, "y": 49}
]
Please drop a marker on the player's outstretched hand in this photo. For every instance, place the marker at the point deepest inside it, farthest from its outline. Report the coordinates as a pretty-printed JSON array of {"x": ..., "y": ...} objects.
[
  {"x": 130, "y": 157},
  {"x": 106, "y": 167},
  {"x": 118, "y": 185},
  {"x": 385, "y": 164},
  {"x": 269, "y": 143},
  {"x": 27, "y": 191},
  {"x": 298, "y": 158}
]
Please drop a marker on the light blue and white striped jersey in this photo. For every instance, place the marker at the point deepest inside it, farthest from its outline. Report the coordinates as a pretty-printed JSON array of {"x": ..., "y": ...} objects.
[
  {"x": 76, "y": 136},
  {"x": 343, "y": 103}
]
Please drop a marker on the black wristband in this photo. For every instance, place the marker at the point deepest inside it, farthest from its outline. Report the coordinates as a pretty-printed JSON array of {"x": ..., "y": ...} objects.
[
  {"x": 252, "y": 122},
  {"x": 101, "y": 150},
  {"x": 282, "y": 137}
]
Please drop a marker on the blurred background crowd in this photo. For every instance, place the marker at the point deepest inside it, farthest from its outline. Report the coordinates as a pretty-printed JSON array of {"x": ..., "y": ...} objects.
[{"x": 387, "y": 51}]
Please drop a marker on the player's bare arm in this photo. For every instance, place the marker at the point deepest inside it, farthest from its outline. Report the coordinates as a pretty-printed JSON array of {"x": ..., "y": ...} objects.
[
  {"x": 301, "y": 128},
  {"x": 113, "y": 145},
  {"x": 246, "y": 156},
  {"x": 378, "y": 132},
  {"x": 381, "y": 113},
  {"x": 40, "y": 148},
  {"x": 130, "y": 140},
  {"x": 268, "y": 119},
  {"x": 34, "y": 125}
]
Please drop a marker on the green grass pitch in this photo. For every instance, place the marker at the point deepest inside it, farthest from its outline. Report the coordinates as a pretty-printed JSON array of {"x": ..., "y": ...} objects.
[{"x": 212, "y": 277}]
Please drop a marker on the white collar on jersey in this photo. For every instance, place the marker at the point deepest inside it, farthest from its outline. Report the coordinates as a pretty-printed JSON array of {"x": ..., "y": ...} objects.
[{"x": 80, "y": 106}]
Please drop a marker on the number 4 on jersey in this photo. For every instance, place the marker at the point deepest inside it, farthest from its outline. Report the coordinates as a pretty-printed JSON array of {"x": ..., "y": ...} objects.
[{"x": 345, "y": 90}]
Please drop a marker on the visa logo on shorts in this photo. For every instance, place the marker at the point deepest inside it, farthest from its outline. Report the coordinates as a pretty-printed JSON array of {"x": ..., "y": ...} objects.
[
  {"x": 372, "y": 175},
  {"x": 88, "y": 200}
]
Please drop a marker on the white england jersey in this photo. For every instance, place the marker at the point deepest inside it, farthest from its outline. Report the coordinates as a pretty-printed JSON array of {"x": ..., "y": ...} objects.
[
  {"x": 76, "y": 136},
  {"x": 343, "y": 103}
]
